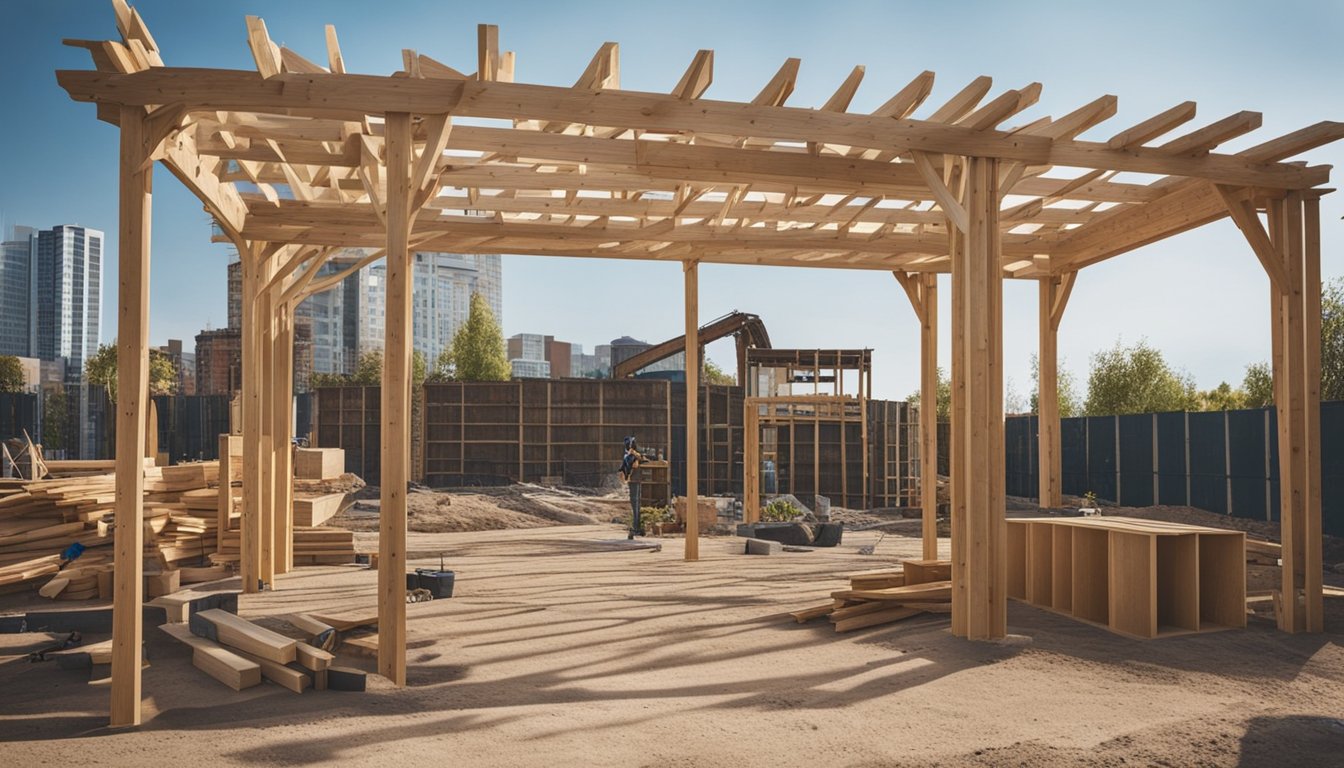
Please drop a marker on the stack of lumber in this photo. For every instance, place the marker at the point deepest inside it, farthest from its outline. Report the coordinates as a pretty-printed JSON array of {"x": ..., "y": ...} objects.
[
  {"x": 240, "y": 654},
  {"x": 312, "y": 546},
  {"x": 319, "y": 463},
  {"x": 1263, "y": 552},
  {"x": 886, "y": 595},
  {"x": 314, "y": 510},
  {"x": 39, "y": 519}
]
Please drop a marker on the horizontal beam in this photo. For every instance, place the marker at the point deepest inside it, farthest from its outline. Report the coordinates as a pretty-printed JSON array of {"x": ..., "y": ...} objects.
[{"x": 1188, "y": 205}]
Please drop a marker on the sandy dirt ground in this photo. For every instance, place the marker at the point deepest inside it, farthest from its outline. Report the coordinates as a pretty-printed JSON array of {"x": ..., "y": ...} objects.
[{"x": 557, "y": 651}]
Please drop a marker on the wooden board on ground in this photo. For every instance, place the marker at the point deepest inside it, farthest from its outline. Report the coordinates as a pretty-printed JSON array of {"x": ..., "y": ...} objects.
[
  {"x": 216, "y": 661},
  {"x": 933, "y": 592},
  {"x": 348, "y": 621},
  {"x": 286, "y": 677},
  {"x": 241, "y": 634},
  {"x": 808, "y": 614},
  {"x": 312, "y": 658},
  {"x": 875, "y": 618}
]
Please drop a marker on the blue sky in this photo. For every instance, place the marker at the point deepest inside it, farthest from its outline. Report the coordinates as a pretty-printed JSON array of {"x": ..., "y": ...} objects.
[{"x": 1201, "y": 298}]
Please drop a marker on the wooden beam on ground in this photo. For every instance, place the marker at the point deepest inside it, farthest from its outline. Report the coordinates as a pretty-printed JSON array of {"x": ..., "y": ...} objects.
[
  {"x": 691, "y": 270},
  {"x": 136, "y": 193},
  {"x": 396, "y": 406}
]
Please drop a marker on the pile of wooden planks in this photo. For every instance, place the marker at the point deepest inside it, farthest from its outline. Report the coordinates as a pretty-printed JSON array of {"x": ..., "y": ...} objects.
[
  {"x": 312, "y": 546},
  {"x": 240, "y": 654},
  {"x": 40, "y": 519},
  {"x": 886, "y": 595}
]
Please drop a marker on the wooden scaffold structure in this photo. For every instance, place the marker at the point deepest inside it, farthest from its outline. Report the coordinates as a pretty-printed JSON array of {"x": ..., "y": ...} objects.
[{"x": 295, "y": 158}]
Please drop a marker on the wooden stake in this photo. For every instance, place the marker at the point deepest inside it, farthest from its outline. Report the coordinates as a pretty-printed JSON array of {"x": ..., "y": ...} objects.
[
  {"x": 133, "y": 375},
  {"x": 691, "y": 269},
  {"x": 396, "y": 406}
]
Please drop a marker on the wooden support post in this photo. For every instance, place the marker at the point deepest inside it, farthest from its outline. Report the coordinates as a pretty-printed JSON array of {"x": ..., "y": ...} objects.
[
  {"x": 396, "y": 406},
  {"x": 692, "y": 271},
  {"x": 136, "y": 193},
  {"x": 751, "y": 462},
  {"x": 249, "y": 534},
  {"x": 282, "y": 404},
  {"x": 928, "y": 414},
  {"x": 977, "y": 278},
  {"x": 266, "y": 361},
  {"x": 1313, "y": 586},
  {"x": 1047, "y": 399}
]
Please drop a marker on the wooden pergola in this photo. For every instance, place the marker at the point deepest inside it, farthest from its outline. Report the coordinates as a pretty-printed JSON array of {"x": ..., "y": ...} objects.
[{"x": 295, "y": 159}]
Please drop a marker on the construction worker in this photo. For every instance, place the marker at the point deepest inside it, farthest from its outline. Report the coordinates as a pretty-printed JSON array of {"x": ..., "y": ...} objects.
[{"x": 630, "y": 476}]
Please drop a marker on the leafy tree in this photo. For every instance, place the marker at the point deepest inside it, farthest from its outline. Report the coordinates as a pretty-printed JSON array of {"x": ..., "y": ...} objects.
[
  {"x": 944, "y": 396},
  {"x": 56, "y": 420},
  {"x": 369, "y": 369},
  {"x": 11, "y": 374},
  {"x": 478, "y": 347},
  {"x": 713, "y": 374},
  {"x": 1066, "y": 389},
  {"x": 101, "y": 371},
  {"x": 1332, "y": 340},
  {"x": 1258, "y": 386},
  {"x": 418, "y": 367},
  {"x": 1221, "y": 398},
  {"x": 443, "y": 366},
  {"x": 1136, "y": 380}
]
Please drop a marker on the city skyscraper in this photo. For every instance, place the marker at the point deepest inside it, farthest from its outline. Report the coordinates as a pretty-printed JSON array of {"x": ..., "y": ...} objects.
[
  {"x": 18, "y": 293},
  {"x": 442, "y": 285},
  {"x": 69, "y": 295}
]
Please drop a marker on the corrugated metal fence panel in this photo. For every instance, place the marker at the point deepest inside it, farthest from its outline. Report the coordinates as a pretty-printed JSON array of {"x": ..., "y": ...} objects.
[
  {"x": 1247, "y": 463},
  {"x": 1101, "y": 456},
  {"x": 1332, "y": 468},
  {"x": 1136, "y": 460},
  {"x": 1274, "y": 464},
  {"x": 1208, "y": 462},
  {"x": 1019, "y": 440},
  {"x": 1171, "y": 474},
  {"x": 18, "y": 412},
  {"x": 1073, "y": 456}
]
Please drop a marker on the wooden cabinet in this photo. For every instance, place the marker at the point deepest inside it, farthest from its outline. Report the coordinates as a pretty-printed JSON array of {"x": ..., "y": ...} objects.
[
  {"x": 1141, "y": 578},
  {"x": 655, "y": 483}
]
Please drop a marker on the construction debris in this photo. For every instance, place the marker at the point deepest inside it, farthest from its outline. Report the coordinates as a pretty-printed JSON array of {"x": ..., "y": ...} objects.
[{"x": 886, "y": 595}]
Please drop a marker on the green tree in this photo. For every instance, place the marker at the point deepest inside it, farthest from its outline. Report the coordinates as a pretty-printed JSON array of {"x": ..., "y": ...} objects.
[
  {"x": 1258, "y": 386},
  {"x": 1222, "y": 398},
  {"x": 713, "y": 374},
  {"x": 101, "y": 371},
  {"x": 1332, "y": 340},
  {"x": 1066, "y": 389},
  {"x": 478, "y": 347},
  {"x": 56, "y": 420},
  {"x": 418, "y": 367},
  {"x": 944, "y": 396},
  {"x": 11, "y": 374},
  {"x": 443, "y": 366},
  {"x": 1136, "y": 380},
  {"x": 369, "y": 369}
]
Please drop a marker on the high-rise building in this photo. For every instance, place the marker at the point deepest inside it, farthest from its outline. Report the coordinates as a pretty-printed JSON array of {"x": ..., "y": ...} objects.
[
  {"x": 235, "y": 292},
  {"x": 69, "y": 295},
  {"x": 18, "y": 293},
  {"x": 530, "y": 369},
  {"x": 219, "y": 361},
  {"x": 184, "y": 363},
  {"x": 535, "y": 347}
]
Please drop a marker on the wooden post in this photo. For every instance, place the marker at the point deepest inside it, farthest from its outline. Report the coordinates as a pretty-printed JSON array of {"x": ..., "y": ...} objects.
[
  {"x": 928, "y": 415},
  {"x": 396, "y": 406},
  {"x": 1311, "y": 289},
  {"x": 691, "y": 270},
  {"x": 266, "y": 360},
  {"x": 978, "y": 439},
  {"x": 282, "y": 414},
  {"x": 1047, "y": 399},
  {"x": 751, "y": 462},
  {"x": 249, "y": 533},
  {"x": 136, "y": 195}
]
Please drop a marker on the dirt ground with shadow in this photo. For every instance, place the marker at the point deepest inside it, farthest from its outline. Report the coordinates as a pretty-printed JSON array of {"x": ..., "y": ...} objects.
[{"x": 558, "y": 651}]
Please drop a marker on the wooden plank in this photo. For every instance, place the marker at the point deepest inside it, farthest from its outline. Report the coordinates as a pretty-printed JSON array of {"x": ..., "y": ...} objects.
[
  {"x": 1049, "y": 492},
  {"x": 1133, "y": 583},
  {"x": 313, "y": 658},
  {"x": 875, "y": 618},
  {"x": 1040, "y": 560},
  {"x": 928, "y": 416},
  {"x": 1017, "y": 559},
  {"x": 396, "y": 406},
  {"x": 933, "y": 592},
  {"x": 1313, "y": 604},
  {"x": 283, "y": 676},
  {"x": 1222, "y": 579},
  {"x": 133, "y": 375},
  {"x": 239, "y": 633},
  {"x": 1061, "y": 569},
  {"x": 319, "y": 463},
  {"x": 216, "y": 661},
  {"x": 926, "y": 571},
  {"x": 691, "y": 272},
  {"x": 1091, "y": 574},
  {"x": 816, "y": 612}
]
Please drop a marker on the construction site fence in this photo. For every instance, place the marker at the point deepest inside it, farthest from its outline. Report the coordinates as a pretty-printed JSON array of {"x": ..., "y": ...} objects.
[
  {"x": 571, "y": 432},
  {"x": 1220, "y": 461},
  {"x": 19, "y": 413}
]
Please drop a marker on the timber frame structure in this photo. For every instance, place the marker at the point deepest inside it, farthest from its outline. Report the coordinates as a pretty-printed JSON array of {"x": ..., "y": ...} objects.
[{"x": 293, "y": 159}]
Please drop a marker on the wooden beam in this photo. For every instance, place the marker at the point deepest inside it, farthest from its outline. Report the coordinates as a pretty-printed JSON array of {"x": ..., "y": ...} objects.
[
  {"x": 1313, "y": 599},
  {"x": 954, "y": 210},
  {"x": 136, "y": 192},
  {"x": 914, "y": 290},
  {"x": 691, "y": 270},
  {"x": 978, "y": 437},
  {"x": 250, "y": 525},
  {"x": 1203, "y": 140},
  {"x": 908, "y": 99},
  {"x": 1049, "y": 493},
  {"x": 487, "y": 52},
  {"x": 1184, "y": 207},
  {"x": 697, "y": 78},
  {"x": 1248, "y": 221},
  {"x": 396, "y": 407},
  {"x": 335, "y": 62},
  {"x": 1142, "y": 133},
  {"x": 777, "y": 91},
  {"x": 928, "y": 415}
]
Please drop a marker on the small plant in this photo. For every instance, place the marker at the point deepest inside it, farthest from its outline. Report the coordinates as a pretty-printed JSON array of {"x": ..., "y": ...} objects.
[
  {"x": 780, "y": 511},
  {"x": 1090, "y": 499},
  {"x": 651, "y": 516}
]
